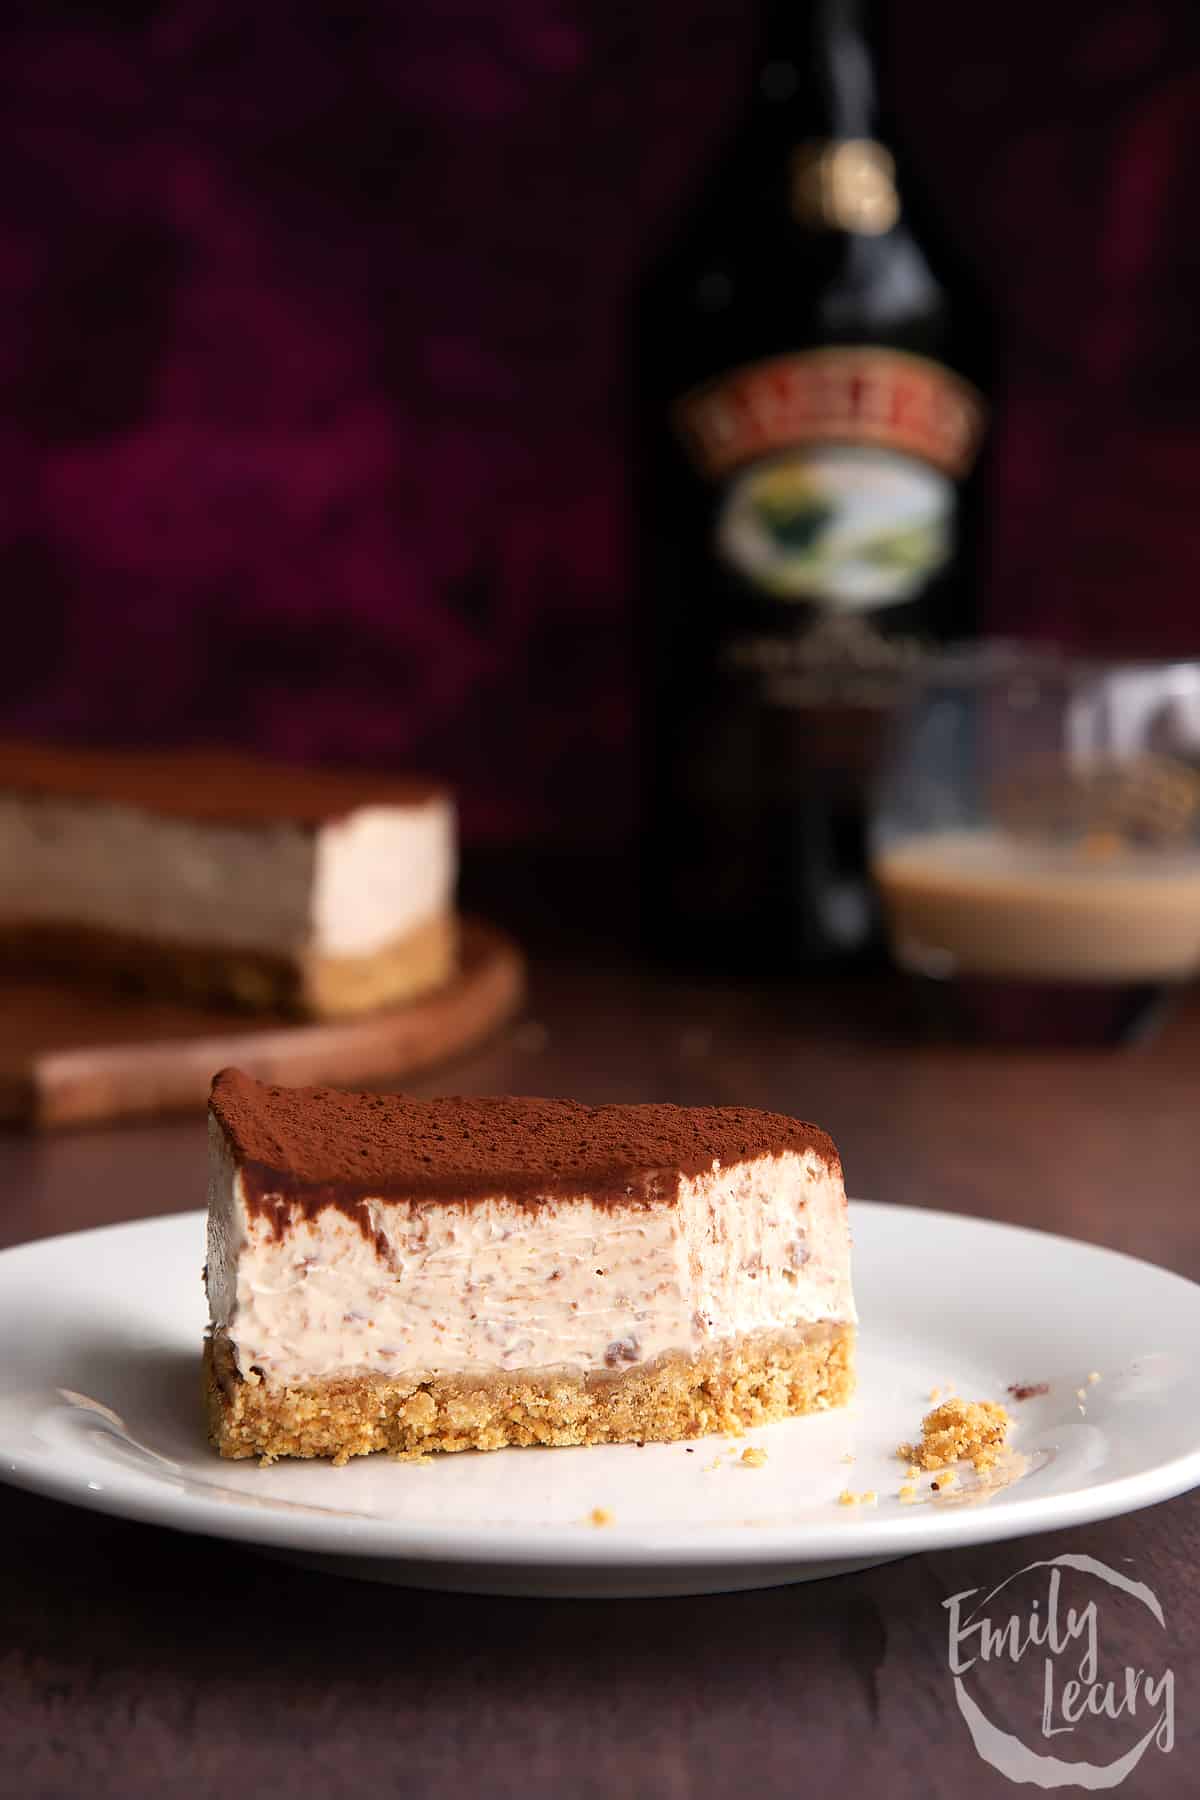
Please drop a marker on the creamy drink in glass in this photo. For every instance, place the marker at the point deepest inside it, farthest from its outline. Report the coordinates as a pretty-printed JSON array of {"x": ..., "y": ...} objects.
[{"x": 1036, "y": 844}]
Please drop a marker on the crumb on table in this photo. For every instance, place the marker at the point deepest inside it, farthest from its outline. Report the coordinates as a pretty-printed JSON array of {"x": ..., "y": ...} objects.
[
  {"x": 973, "y": 1431},
  {"x": 600, "y": 1515},
  {"x": 754, "y": 1456},
  {"x": 867, "y": 1498},
  {"x": 908, "y": 1494}
]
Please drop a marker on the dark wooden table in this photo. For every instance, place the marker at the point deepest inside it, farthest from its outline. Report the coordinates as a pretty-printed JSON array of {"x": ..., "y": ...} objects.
[{"x": 137, "y": 1662}]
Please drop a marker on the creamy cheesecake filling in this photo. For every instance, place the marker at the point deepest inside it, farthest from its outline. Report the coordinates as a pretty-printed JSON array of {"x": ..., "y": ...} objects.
[
  {"x": 439, "y": 1287},
  {"x": 380, "y": 872},
  {"x": 346, "y": 888}
]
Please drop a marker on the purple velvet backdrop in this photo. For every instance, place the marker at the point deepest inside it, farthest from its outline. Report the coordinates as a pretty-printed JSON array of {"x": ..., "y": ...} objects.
[{"x": 313, "y": 357}]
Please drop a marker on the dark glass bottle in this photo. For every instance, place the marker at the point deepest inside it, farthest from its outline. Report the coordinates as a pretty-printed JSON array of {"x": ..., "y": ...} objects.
[{"x": 805, "y": 435}]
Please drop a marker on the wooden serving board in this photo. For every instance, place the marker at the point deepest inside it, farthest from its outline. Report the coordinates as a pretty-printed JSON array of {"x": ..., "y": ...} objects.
[{"x": 70, "y": 1055}]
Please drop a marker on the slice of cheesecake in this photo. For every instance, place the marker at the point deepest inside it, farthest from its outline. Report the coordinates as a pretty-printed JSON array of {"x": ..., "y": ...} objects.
[
  {"x": 409, "y": 1275},
  {"x": 225, "y": 878}
]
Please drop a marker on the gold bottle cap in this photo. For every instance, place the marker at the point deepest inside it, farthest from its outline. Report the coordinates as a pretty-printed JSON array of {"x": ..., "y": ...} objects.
[{"x": 845, "y": 184}]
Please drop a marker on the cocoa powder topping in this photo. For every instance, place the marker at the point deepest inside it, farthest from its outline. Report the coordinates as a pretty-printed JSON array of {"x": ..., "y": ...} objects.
[
  {"x": 315, "y": 1147},
  {"x": 211, "y": 786}
]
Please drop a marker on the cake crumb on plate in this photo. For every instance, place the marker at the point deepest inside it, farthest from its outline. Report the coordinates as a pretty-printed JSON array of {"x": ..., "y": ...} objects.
[
  {"x": 960, "y": 1431},
  {"x": 600, "y": 1515}
]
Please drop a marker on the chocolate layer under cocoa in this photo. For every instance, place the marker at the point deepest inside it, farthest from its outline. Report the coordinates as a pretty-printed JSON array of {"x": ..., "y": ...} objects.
[{"x": 309, "y": 1148}]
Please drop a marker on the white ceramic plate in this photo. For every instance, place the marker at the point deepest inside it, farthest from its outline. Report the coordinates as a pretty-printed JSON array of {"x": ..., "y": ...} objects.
[{"x": 100, "y": 1406}]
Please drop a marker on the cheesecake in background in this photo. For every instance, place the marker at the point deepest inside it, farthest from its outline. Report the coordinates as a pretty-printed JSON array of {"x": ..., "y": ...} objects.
[{"x": 226, "y": 879}]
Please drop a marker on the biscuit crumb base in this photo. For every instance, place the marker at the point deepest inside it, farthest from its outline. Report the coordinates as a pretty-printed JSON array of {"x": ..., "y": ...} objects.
[
  {"x": 974, "y": 1431},
  {"x": 754, "y": 1380},
  {"x": 302, "y": 984}
]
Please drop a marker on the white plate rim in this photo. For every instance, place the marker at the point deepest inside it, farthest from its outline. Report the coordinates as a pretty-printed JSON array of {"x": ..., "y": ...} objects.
[{"x": 580, "y": 1546}]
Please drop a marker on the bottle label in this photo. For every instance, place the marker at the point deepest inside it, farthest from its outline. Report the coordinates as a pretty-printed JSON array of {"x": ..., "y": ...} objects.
[
  {"x": 853, "y": 530},
  {"x": 868, "y": 396},
  {"x": 839, "y": 470}
]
